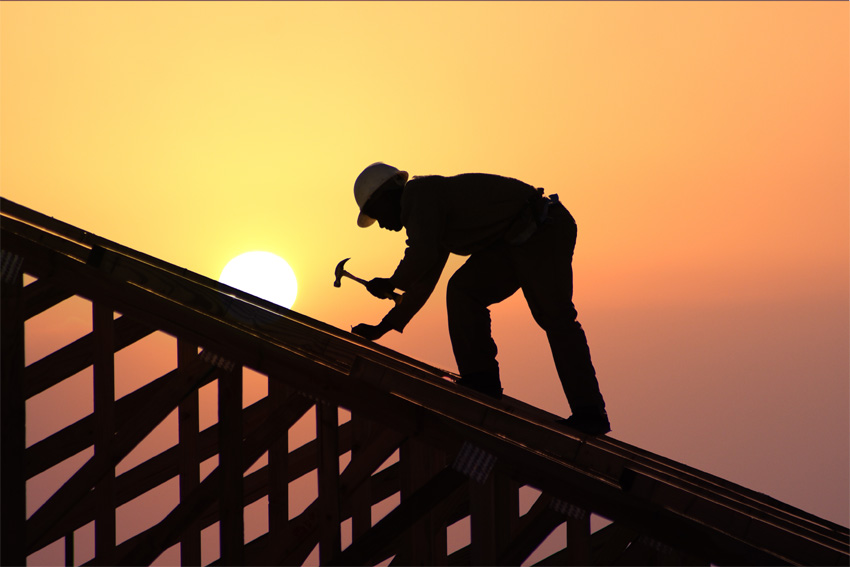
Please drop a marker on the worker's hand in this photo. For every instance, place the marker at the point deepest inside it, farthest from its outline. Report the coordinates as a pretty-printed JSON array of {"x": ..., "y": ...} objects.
[
  {"x": 371, "y": 332},
  {"x": 382, "y": 288}
]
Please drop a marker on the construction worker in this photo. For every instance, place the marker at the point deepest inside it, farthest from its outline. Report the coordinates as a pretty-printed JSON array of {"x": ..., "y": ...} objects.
[{"x": 516, "y": 238}]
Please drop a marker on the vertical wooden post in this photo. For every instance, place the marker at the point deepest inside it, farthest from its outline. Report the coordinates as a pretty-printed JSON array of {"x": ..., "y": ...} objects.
[
  {"x": 437, "y": 530},
  {"x": 578, "y": 538},
  {"x": 361, "y": 499},
  {"x": 327, "y": 433},
  {"x": 482, "y": 521},
  {"x": 103, "y": 329},
  {"x": 278, "y": 464},
  {"x": 507, "y": 508},
  {"x": 190, "y": 473},
  {"x": 13, "y": 512},
  {"x": 69, "y": 548},
  {"x": 231, "y": 512},
  {"x": 425, "y": 542}
]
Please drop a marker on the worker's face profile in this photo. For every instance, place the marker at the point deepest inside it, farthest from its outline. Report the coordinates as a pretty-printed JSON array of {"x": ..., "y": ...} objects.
[{"x": 385, "y": 207}]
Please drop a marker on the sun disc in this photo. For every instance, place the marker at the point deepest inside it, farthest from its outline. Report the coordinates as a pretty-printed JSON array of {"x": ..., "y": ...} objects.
[{"x": 266, "y": 275}]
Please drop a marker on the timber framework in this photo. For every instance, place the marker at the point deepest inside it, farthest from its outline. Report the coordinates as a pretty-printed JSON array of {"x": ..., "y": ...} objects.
[{"x": 458, "y": 456}]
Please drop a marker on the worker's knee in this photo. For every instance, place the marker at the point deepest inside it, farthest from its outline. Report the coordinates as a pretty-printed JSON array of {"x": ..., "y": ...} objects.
[{"x": 557, "y": 318}]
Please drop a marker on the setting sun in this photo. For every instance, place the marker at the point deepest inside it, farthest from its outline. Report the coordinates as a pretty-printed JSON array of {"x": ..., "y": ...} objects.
[{"x": 263, "y": 274}]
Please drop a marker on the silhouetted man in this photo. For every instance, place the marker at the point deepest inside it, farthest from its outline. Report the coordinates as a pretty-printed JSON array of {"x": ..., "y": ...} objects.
[{"x": 516, "y": 238}]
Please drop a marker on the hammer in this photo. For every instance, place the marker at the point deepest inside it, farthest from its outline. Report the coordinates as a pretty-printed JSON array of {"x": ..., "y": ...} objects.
[{"x": 340, "y": 271}]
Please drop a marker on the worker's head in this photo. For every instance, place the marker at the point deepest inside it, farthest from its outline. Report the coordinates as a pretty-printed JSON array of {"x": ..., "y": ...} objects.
[{"x": 376, "y": 190}]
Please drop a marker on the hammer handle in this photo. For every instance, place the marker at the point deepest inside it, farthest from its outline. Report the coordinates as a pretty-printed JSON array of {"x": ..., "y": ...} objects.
[
  {"x": 394, "y": 296},
  {"x": 355, "y": 278}
]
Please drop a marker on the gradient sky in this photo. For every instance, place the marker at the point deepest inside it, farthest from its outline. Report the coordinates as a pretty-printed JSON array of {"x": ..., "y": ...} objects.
[{"x": 702, "y": 147}]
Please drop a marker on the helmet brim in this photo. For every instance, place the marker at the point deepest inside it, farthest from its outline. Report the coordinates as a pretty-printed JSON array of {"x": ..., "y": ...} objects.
[{"x": 364, "y": 220}]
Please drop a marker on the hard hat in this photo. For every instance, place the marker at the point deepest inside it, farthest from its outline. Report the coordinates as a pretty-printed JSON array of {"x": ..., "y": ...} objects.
[{"x": 369, "y": 180}]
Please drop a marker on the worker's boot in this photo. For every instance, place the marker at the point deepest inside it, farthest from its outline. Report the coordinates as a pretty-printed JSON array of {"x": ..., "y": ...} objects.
[
  {"x": 487, "y": 382},
  {"x": 593, "y": 421}
]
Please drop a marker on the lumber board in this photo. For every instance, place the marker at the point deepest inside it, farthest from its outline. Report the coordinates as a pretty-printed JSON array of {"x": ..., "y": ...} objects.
[
  {"x": 14, "y": 212},
  {"x": 220, "y": 336},
  {"x": 103, "y": 332},
  {"x": 188, "y": 451},
  {"x": 41, "y": 295},
  {"x": 507, "y": 505},
  {"x": 696, "y": 480},
  {"x": 75, "y": 437},
  {"x": 416, "y": 470},
  {"x": 278, "y": 464},
  {"x": 13, "y": 415},
  {"x": 166, "y": 533},
  {"x": 533, "y": 528},
  {"x": 164, "y": 466},
  {"x": 578, "y": 540},
  {"x": 667, "y": 500},
  {"x": 610, "y": 542},
  {"x": 79, "y": 355},
  {"x": 482, "y": 521},
  {"x": 328, "y": 481},
  {"x": 137, "y": 288},
  {"x": 271, "y": 325},
  {"x": 181, "y": 381},
  {"x": 303, "y": 532},
  {"x": 231, "y": 525},
  {"x": 361, "y": 499},
  {"x": 391, "y": 526}
]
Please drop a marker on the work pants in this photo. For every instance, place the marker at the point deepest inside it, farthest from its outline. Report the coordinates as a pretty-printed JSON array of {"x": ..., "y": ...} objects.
[{"x": 542, "y": 268}]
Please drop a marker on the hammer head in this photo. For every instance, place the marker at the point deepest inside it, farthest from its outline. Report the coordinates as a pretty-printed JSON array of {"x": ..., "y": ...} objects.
[{"x": 340, "y": 269}]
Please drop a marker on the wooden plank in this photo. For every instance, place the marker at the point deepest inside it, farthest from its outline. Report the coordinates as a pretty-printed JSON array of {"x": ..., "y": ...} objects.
[
  {"x": 382, "y": 485},
  {"x": 131, "y": 285},
  {"x": 482, "y": 521},
  {"x": 146, "y": 547},
  {"x": 578, "y": 540},
  {"x": 327, "y": 419},
  {"x": 303, "y": 532},
  {"x": 391, "y": 526},
  {"x": 413, "y": 543},
  {"x": 69, "y": 549},
  {"x": 13, "y": 415},
  {"x": 278, "y": 467},
  {"x": 180, "y": 382},
  {"x": 609, "y": 543},
  {"x": 231, "y": 524},
  {"x": 361, "y": 499},
  {"x": 163, "y": 467},
  {"x": 437, "y": 526},
  {"x": 507, "y": 507},
  {"x": 271, "y": 325},
  {"x": 103, "y": 332},
  {"x": 641, "y": 460},
  {"x": 533, "y": 528},
  {"x": 41, "y": 295},
  {"x": 74, "y": 438},
  {"x": 189, "y": 456},
  {"x": 78, "y": 355},
  {"x": 425, "y": 541}
]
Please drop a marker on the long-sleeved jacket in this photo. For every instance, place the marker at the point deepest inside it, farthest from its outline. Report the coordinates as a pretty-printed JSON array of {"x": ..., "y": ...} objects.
[{"x": 450, "y": 215}]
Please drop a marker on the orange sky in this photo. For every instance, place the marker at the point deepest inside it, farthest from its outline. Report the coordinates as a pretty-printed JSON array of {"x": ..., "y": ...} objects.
[{"x": 702, "y": 147}]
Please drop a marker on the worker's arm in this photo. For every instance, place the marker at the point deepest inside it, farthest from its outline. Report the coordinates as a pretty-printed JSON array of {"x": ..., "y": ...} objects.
[
  {"x": 412, "y": 301},
  {"x": 419, "y": 270},
  {"x": 415, "y": 295}
]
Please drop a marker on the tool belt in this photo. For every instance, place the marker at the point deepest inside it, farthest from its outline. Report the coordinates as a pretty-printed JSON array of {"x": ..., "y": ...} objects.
[{"x": 530, "y": 218}]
